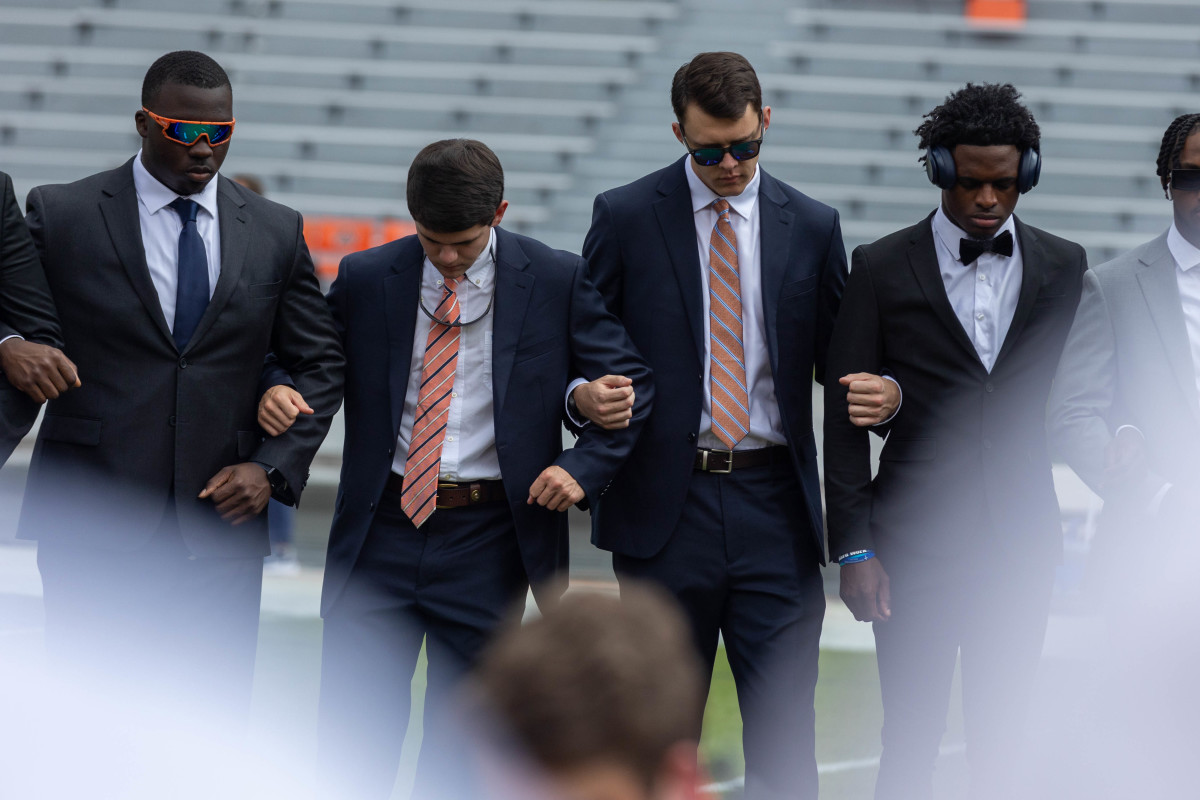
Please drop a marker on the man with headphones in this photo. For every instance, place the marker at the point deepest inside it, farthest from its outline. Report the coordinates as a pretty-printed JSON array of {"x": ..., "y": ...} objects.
[{"x": 952, "y": 547}]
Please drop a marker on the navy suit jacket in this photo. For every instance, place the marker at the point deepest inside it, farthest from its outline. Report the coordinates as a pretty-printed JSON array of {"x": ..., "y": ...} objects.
[
  {"x": 549, "y": 326},
  {"x": 641, "y": 252}
]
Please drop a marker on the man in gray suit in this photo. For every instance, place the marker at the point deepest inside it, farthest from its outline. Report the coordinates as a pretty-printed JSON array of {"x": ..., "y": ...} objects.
[
  {"x": 148, "y": 484},
  {"x": 1125, "y": 408}
]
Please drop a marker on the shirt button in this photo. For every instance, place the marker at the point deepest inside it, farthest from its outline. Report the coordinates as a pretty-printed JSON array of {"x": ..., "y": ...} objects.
[
  {"x": 979, "y": 316},
  {"x": 454, "y": 394},
  {"x": 982, "y": 277},
  {"x": 449, "y": 438}
]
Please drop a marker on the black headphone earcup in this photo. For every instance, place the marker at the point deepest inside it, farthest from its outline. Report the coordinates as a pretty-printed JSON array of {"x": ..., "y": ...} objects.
[
  {"x": 1030, "y": 170},
  {"x": 939, "y": 167}
]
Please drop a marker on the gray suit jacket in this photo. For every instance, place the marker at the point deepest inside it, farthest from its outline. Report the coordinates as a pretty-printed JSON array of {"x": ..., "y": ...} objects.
[{"x": 151, "y": 424}]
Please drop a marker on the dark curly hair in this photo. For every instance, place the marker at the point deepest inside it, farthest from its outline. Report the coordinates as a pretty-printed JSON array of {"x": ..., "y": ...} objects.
[
  {"x": 981, "y": 114},
  {"x": 1172, "y": 145},
  {"x": 184, "y": 67}
]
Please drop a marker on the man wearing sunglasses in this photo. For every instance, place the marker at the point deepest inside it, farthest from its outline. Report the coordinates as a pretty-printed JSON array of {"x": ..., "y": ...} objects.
[
  {"x": 728, "y": 281},
  {"x": 951, "y": 548},
  {"x": 33, "y": 368},
  {"x": 1125, "y": 410},
  {"x": 148, "y": 484}
]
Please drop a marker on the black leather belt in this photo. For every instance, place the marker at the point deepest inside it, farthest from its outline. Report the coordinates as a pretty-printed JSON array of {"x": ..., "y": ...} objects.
[
  {"x": 724, "y": 461},
  {"x": 456, "y": 495}
]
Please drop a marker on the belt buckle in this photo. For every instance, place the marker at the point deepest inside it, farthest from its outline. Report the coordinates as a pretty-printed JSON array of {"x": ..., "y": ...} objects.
[
  {"x": 728, "y": 462},
  {"x": 443, "y": 485}
]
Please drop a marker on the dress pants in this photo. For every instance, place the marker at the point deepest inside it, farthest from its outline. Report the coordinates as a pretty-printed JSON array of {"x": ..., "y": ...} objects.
[
  {"x": 155, "y": 624},
  {"x": 451, "y": 583},
  {"x": 996, "y": 620},
  {"x": 742, "y": 564}
]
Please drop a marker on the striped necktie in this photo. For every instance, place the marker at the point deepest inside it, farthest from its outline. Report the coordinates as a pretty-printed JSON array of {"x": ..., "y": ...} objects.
[
  {"x": 419, "y": 492},
  {"x": 730, "y": 400}
]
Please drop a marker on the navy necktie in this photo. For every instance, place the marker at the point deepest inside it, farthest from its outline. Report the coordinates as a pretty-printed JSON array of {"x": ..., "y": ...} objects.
[
  {"x": 971, "y": 249},
  {"x": 191, "y": 290}
]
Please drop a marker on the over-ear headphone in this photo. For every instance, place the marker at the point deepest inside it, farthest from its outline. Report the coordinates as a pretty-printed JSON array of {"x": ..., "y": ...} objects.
[{"x": 939, "y": 166}]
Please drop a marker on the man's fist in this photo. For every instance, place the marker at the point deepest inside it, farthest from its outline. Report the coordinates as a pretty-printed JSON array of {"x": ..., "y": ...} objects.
[
  {"x": 872, "y": 399},
  {"x": 607, "y": 401},
  {"x": 866, "y": 590},
  {"x": 555, "y": 489},
  {"x": 279, "y": 407},
  {"x": 40, "y": 371},
  {"x": 240, "y": 492}
]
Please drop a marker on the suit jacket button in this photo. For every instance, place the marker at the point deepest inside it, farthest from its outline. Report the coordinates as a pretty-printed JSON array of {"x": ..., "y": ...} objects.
[
  {"x": 989, "y": 387},
  {"x": 171, "y": 420},
  {"x": 691, "y": 437},
  {"x": 370, "y": 506},
  {"x": 183, "y": 363}
]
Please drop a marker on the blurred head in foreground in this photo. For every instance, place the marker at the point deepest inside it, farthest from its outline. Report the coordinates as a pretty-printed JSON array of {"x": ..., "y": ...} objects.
[{"x": 602, "y": 698}]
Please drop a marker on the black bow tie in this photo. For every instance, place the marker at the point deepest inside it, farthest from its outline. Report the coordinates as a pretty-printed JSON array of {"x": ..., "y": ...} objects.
[{"x": 971, "y": 249}]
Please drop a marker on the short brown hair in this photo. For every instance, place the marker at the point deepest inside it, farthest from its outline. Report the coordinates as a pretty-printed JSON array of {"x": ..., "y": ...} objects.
[
  {"x": 597, "y": 679},
  {"x": 454, "y": 185},
  {"x": 721, "y": 84}
]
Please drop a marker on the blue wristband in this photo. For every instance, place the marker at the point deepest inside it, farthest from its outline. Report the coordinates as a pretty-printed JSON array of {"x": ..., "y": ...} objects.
[{"x": 856, "y": 557}]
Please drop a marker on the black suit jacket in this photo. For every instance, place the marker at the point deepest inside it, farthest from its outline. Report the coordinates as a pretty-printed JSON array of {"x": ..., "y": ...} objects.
[
  {"x": 26, "y": 310},
  {"x": 151, "y": 424},
  {"x": 549, "y": 325},
  {"x": 642, "y": 254},
  {"x": 964, "y": 474}
]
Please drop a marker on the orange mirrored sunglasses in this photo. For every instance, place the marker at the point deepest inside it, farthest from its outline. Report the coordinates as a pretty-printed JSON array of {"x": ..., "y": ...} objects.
[{"x": 187, "y": 132}]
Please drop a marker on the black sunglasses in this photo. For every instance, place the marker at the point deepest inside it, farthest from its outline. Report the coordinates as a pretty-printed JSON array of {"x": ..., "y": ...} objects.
[
  {"x": 1185, "y": 180},
  {"x": 711, "y": 156}
]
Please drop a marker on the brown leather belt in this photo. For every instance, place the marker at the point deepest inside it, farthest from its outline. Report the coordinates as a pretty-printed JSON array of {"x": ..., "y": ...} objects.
[
  {"x": 456, "y": 495},
  {"x": 725, "y": 461}
]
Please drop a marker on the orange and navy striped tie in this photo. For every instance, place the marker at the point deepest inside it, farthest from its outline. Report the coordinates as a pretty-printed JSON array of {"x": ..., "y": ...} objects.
[
  {"x": 730, "y": 399},
  {"x": 421, "y": 468}
]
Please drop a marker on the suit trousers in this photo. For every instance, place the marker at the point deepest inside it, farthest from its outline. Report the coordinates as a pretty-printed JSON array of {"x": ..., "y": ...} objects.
[
  {"x": 155, "y": 622},
  {"x": 996, "y": 621},
  {"x": 741, "y": 563},
  {"x": 17, "y": 413},
  {"x": 450, "y": 583}
]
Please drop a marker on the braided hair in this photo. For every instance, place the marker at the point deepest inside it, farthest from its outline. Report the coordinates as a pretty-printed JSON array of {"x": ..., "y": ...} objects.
[
  {"x": 981, "y": 114},
  {"x": 1172, "y": 145}
]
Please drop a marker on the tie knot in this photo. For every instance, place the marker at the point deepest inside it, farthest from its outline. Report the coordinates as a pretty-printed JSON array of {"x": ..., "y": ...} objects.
[
  {"x": 721, "y": 206},
  {"x": 186, "y": 209}
]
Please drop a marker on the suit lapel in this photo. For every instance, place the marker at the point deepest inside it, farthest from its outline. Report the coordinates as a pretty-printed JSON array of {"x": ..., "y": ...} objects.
[
  {"x": 775, "y": 254},
  {"x": 401, "y": 294},
  {"x": 677, "y": 221},
  {"x": 235, "y": 238},
  {"x": 1161, "y": 290},
  {"x": 922, "y": 257},
  {"x": 1034, "y": 267},
  {"x": 119, "y": 207},
  {"x": 514, "y": 285}
]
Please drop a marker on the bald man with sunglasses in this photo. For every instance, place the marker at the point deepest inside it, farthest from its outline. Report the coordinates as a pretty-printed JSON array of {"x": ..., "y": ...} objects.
[{"x": 148, "y": 484}]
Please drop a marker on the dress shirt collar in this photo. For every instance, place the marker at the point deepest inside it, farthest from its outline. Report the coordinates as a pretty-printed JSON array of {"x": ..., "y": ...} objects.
[
  {"x": 155, "y": 196},
  {"x": 1186, "y": 254},
  {"x": 478, "y": 274},
  {"x": 949, "y": 234},
  {"x": 703, "y": 197}
]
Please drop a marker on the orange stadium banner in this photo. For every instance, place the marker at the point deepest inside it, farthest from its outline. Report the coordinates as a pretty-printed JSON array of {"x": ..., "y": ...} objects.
[
  {"x": 997, "y": 13},
  {"x": 330, "y": 238}
]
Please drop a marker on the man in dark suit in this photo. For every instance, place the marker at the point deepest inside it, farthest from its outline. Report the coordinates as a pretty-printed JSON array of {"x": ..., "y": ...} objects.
[
  {"x": 147, "y": 484},
  {"x": 460, "y": 342},
  {"x": 31, "y": 359},
  {"x": 953, "y": 546},
  {"x": 728, "y": 282}
]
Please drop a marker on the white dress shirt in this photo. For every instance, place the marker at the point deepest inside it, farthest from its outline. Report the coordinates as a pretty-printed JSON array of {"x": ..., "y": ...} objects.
[
  {"x": 984, "y": 293},
  {"x": 160, "y": 234},
  {"x": 766, "y": 427},
  {"x": 1187, "y": 258},
  {"x": 469, "y": 449}
]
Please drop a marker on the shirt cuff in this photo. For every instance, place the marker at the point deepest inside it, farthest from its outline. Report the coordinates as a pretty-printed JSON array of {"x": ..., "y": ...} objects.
[
  {"x": 575, "y": 384},
  {"x": 897, "y": 411},
  {"x": 12, "y": 336},
  {"x": 1133, "y": 428}
]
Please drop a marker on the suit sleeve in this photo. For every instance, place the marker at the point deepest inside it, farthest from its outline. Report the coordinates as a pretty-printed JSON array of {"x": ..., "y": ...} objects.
[
  {"x": 602, "y": 252},
  {"x": 600, "y": 346},
  {"x": 833, "y": 284},
  {"x": 856, "y": 346},
  {"x": 309, "y": 350},
  {"x": 1082, "y": 404},
  {"x": 26, "y": 306}
]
